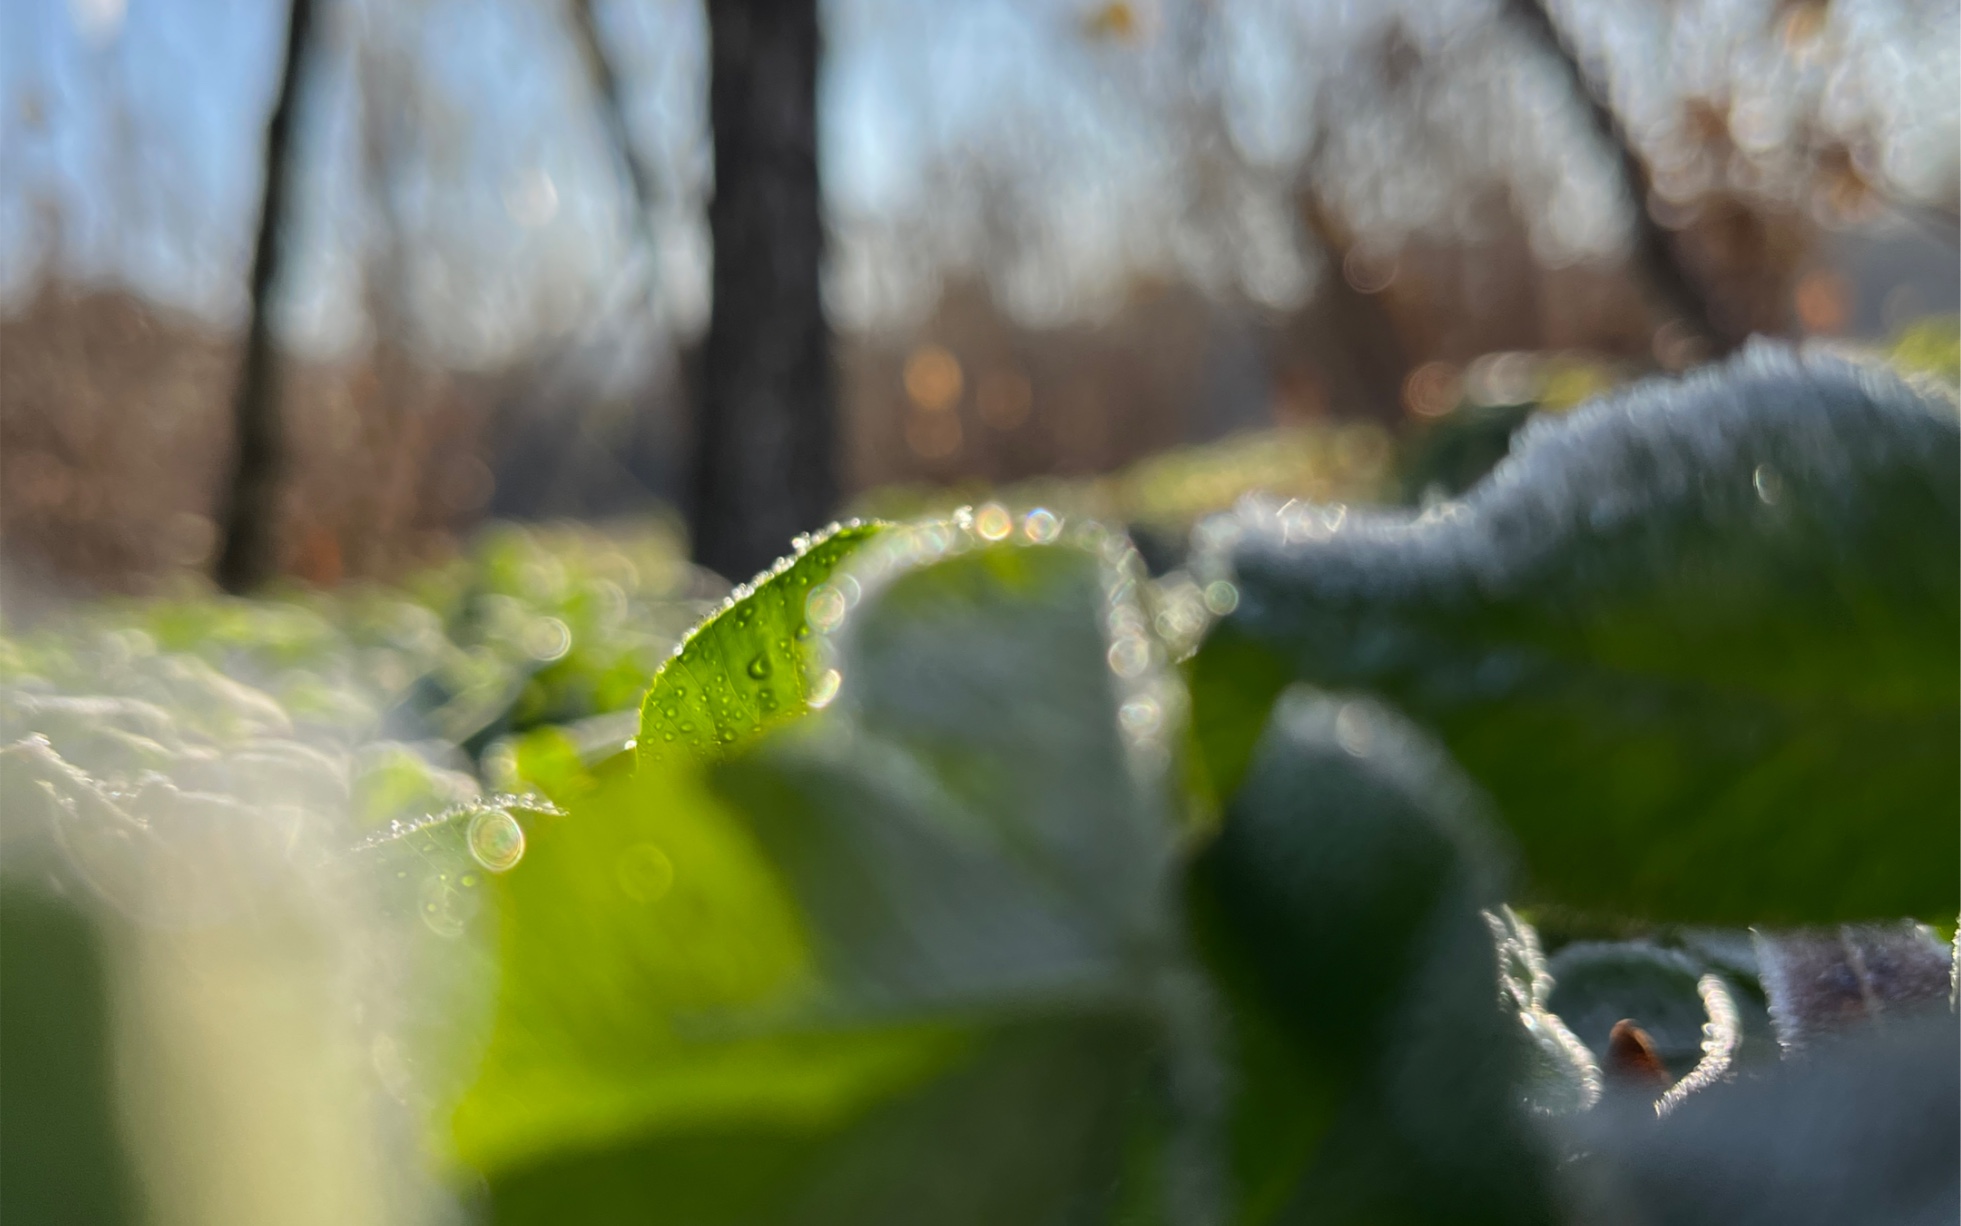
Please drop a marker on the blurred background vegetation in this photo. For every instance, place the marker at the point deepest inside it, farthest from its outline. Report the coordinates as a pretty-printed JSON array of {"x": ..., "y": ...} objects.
[{"x": 1059, "y": 238}]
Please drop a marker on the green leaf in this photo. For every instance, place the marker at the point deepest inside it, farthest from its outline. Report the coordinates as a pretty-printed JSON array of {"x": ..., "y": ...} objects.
[
  {"x": 936, "y": 1155},
  {"x": 675, "y": 1035},
  {"x": 977, "y": 829},
  {"x": 1344, "y": 896},
  {"x": 973, "y": 790},
  {"x": 62, "y": 1155},
  {"x": 1699, "y": 640},
  {"x": 651, "y": 971},
  {"x": 746, "y": 667},
  {"x": 656, "y": 979}
]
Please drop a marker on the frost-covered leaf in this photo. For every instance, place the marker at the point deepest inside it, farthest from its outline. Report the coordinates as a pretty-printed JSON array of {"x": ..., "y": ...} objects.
[
  {"x": 1346, "y": 889},
  {"x": 1722, "y": 1043},
  {"x": 1700, "y": 640},
  {"x": 1820, "y": 982},
  {"x": 1560, "y": 1075}
]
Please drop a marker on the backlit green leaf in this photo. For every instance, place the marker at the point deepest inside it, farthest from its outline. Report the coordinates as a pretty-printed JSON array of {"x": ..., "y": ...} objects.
[{"x": 745, "y": 668}]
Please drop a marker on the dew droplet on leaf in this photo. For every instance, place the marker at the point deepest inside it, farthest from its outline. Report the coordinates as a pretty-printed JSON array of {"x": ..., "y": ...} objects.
[{"x": 496, "y": 840}]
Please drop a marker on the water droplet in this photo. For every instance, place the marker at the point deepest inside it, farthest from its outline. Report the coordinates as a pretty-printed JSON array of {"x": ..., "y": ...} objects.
[
  {"x": 1769, "y": 485},
  {"x": 546, "y": 639},
  {"x": 1141, "y": 716},
  {"x": 824, "y": 688},
  {"x": 445, "y": 909},
  {"x": 1221, "y": 597},
  {"x": 826, "y": 608},
  {"x": 759, "y": 667},
  {"x": 993, "y": 523},
  {"x": 1041, "y": 526},
  {"x": 645, "y": 873},
  {"x": 1129, "y": 656},
  {"x": 496, "y": 840}
]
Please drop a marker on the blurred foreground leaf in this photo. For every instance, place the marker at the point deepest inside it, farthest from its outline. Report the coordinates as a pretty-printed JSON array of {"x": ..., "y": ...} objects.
[
  {"x": 677, "y": 1039},
  {"x": 1864, "y": 1129},
  {"x": 1698, "y": 640},
  {"x": 977, "y": 831},
  {"x": 62, "y": 1157},
  {"x": 1822, "y": 982},
  {"x": 1343, "y": 902},
  {"x": 653, "y": 968},
  {"x": 650, "y": 962}
]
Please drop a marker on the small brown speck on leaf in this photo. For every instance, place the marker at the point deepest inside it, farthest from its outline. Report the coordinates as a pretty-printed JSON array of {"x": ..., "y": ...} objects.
[{"x": 1631, "y": 1059}]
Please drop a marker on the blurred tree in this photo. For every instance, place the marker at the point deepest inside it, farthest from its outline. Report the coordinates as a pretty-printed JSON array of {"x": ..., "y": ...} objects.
[
  {"x": 248, "y": 510},
  {"x": 765, "y": 464}
]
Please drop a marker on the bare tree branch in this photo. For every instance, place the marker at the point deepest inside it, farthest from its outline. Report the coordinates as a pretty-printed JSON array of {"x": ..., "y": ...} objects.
[
  {"x": 612, "y": 108},
  {"x": 249, "y": 554},
  {"x": 1673, "y": 288}
]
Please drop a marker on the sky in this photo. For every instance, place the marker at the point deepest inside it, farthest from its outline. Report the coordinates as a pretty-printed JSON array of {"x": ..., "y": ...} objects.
[{"x": 1043, "y": 143}]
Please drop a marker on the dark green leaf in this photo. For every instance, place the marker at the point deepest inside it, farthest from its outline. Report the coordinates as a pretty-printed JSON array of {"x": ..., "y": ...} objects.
[
  {"x": 62, "y": 1157},
  {"x": 1347, "y": 884}
]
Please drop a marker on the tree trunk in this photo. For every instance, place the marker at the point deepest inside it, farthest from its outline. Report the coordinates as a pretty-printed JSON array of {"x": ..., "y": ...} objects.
[
  {"x": 249, "y": 511},
  {"x": 765, "y": 446}
]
